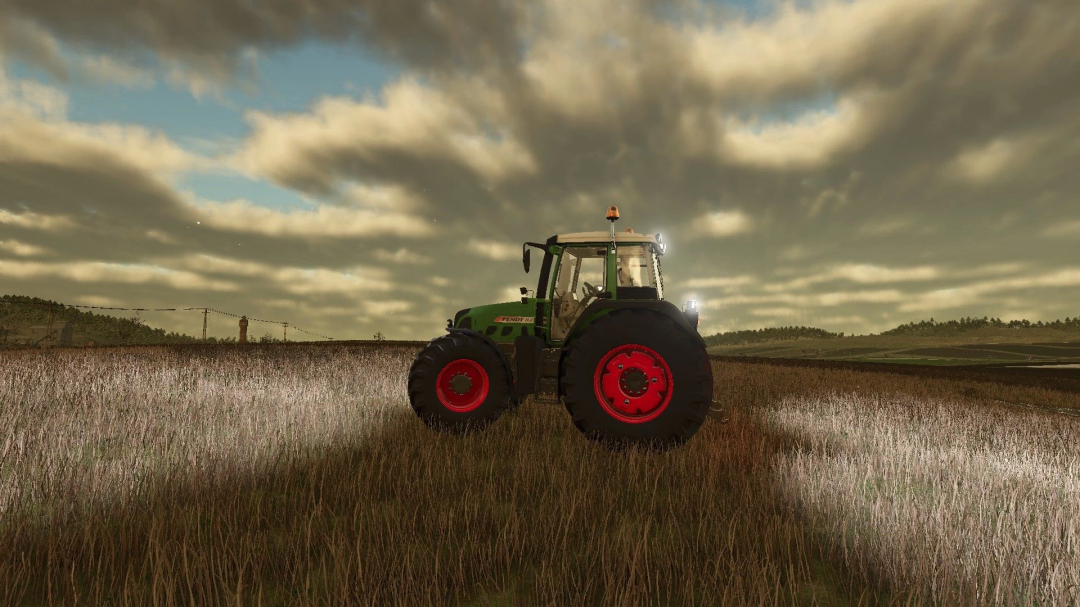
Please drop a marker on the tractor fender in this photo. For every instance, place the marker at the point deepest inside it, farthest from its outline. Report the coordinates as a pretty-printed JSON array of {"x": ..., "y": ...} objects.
[
  {"x": 490, "y": 342},
  {"x": 664, "y": 307}
]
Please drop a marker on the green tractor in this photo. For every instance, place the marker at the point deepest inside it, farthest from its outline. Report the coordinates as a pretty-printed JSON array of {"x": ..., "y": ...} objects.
[{"x": 597, "y": 336}]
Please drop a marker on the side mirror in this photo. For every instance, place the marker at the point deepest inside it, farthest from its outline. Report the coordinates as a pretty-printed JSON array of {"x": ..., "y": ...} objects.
[
  {"x": 526, "y": 257},
  {"x": 524, "y": 295}
]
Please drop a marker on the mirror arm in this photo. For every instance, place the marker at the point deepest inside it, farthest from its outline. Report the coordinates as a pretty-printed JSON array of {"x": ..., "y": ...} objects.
[{"x": 525, "y": 256}]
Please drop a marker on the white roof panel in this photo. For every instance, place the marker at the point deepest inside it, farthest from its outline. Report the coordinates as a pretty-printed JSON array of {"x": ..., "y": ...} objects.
[{"x": 605, "y": 237}]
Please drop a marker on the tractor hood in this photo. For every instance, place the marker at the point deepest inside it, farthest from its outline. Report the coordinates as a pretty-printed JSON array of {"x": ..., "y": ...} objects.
[{"x": 500, "y": 321}]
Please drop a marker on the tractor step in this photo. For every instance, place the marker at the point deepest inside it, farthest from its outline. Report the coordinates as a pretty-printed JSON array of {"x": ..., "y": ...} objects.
[{"x": 547, "y": 385}]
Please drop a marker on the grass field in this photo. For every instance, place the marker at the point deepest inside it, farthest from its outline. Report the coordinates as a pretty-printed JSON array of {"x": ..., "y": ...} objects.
[
  {"x": 982, "y": 346},
  {"x": 298, "y": 475}
]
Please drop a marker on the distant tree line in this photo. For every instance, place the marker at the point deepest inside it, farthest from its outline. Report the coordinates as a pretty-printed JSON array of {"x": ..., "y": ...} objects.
[
  {"x": 923, "y": 328},
  {"x": 108, "y": 329},
  {"x": 16, "y": 318},
  {"x": 753, "y": 336},
  {"x": 931, "y": 328}
]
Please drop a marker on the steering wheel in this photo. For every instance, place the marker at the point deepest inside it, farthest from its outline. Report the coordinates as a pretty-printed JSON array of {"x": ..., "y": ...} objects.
[{"x": 590, "y": 291}]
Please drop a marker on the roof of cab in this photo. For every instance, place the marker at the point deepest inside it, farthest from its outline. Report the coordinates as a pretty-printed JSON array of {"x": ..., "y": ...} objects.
[{"x": 577, "y": 237}]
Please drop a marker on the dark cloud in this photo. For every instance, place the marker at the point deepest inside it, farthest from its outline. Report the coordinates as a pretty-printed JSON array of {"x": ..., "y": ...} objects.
[{"x": 213, "y": 34}]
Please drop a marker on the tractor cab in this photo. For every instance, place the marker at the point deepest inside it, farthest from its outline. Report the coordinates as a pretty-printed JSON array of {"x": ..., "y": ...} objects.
[
  {"x": 578, "y": 270},
  {"x": 587, "y": 267}
]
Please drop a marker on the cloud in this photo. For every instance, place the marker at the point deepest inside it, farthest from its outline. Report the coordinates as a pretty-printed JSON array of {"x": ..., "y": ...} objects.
[
  {"x": 387, "y": 308},
  {"x": 966, "y": 295},
  {"x": 335, "y": 222},
  {"x": 993, "y": 269},
  {"x": 771, "y": 312},
  {"x": 35, "y": 221},
  {"x": 40, "y": 100},
  {"x": 402, "y": 256},
  {"x": 861, "y": 274},
  {"x": 28, "y": 139},
  {"x": 721, "y": 224},
  {"x": 99, "y": 272},
  {"x": 160, "y": 236},
  {"x": 351, "y": 281},
  {"x": 985, "y": 162},
  {"x": 30, "y": 42},
  {"x": 829, "y": 299},
  {"x": 883, "y": 227},
  {"x": 104, "y": 69},
  {"x": 723, "y": 282},
  {"x": 99, "y": 300},
  {"x": 382, "y": 198},
  {"x": 416, "y": 123},
  {"x": 812, "y": 140},
  {"x": 839, "y": 42},
  {"x": 213, "y": 35},
  {"x": 841, "y": 320},
  {"x": 795, "y": 252},
  {"x": 499, "y": 251},
  {"x": 1064, "y": 229},
  {"x": 21, "y": 249}
]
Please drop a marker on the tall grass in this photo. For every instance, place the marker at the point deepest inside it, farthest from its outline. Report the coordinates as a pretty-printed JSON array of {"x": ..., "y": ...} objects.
[
  {"x": 273, "y": 475},
  {"x": 82, "y": 424},
  {"x": 956, "y": 504}
]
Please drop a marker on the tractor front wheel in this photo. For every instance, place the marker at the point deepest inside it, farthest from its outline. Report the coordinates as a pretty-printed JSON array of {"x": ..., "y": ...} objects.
[
  {"x": 636, "y": 377},
  {"x": 458, "y": 383}
]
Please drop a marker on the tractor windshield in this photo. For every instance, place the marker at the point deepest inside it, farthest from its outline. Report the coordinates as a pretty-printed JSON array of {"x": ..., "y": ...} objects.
[{"x": 638, "y": 272}]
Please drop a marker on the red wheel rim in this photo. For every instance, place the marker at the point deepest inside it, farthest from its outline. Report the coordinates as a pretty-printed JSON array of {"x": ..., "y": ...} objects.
[
  {"x": 633, "y": 383},
  {"x": 462, "y": 385}
]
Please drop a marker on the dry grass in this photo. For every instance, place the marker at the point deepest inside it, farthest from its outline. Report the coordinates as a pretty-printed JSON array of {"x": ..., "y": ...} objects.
[
  {"x": 954, "y": 503},
  {"x": 300, "y": 476}
]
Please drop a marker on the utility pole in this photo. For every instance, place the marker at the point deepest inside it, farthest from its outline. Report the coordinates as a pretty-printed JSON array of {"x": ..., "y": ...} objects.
[
  {"x": 204, "y": 312},
  {"x": 286, "y": 326}
]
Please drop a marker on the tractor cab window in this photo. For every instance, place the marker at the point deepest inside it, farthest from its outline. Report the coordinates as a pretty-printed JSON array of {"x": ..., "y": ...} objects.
[
  {"x": 636, "y": 268},
  {"x": 580, "y": 279}
]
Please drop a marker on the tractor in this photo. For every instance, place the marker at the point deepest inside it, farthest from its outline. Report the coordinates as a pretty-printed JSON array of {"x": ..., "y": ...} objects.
[{"x": 597, "y": 336}]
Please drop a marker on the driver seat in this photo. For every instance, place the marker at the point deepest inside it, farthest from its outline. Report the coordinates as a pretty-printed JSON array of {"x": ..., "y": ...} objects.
[{"x": 567, "y": 310}]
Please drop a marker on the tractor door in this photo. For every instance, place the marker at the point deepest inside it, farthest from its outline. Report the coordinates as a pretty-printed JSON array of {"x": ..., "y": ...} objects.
[{"x": 580, "y": 277}]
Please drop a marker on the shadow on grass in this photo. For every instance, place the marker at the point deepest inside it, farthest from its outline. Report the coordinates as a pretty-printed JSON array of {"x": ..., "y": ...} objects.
[{"x": 527, "y": 512}]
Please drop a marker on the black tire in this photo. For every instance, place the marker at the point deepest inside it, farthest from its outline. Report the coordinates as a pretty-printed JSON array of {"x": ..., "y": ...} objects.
[
  {"x": 435, "y": 408},
  {"x": 688, "y": 377}
]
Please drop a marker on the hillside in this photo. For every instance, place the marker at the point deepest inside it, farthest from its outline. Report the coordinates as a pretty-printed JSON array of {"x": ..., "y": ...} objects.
[
  {"x": 981, "y": 346},
  {"x": 19, "y": 313},
  {"x": 954, "y": 342}
]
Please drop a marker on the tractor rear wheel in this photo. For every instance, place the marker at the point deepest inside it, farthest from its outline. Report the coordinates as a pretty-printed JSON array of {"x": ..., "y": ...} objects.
[
  {"x": 458, "y": 383},
  {"x": 636, "y": 378}
]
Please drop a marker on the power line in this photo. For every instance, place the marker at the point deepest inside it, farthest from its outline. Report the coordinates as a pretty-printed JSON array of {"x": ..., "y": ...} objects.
[{"x": 284, "y": 324}]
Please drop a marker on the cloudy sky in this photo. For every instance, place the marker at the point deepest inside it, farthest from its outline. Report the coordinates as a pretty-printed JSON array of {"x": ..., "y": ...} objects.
[{"x": 353, "y": 166}]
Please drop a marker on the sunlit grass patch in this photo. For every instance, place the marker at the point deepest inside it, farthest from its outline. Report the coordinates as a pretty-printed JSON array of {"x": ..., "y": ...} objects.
[{"x": 956, "y": 503}]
